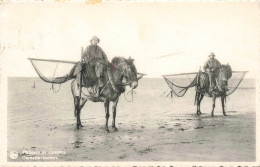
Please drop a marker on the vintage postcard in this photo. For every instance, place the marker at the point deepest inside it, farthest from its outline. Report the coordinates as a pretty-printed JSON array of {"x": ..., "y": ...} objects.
[{"x": 133, "y": 83}]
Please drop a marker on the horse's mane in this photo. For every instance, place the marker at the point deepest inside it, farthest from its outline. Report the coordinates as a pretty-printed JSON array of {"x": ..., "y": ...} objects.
[
  {"x": 226, "y": 68},
  {"x": 117, "y": 59},
  {"x": 129, "y": 61}
]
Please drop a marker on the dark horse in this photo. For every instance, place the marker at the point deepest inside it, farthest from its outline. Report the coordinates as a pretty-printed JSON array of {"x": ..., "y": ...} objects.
[
  {"x": 121, "y": 69},
  {"x": 203, "y": 88}
]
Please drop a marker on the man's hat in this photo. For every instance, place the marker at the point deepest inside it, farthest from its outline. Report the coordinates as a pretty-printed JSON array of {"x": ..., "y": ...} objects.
[
  {"x": 212, "y": 54},
  {"x": 94, "y": 38}
]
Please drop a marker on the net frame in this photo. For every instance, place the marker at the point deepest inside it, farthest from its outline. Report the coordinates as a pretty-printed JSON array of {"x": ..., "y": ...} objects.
[{"x": 183, "y": 89}]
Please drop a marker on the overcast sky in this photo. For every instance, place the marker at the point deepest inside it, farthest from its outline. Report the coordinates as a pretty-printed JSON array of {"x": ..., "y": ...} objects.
[{"x": 147, "y": 32}]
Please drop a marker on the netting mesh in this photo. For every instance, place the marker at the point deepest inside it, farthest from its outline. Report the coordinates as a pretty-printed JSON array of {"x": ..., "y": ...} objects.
[
  {"x": 180, "y": 83},
  {"x": 49, "y": 70},
  {"x": 235, "y": 80}
]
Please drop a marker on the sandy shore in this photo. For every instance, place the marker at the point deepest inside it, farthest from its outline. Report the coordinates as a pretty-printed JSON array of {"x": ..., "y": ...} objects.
[
  {"x": 162, "y": 137},
  {"x": 151, "y": 128}
]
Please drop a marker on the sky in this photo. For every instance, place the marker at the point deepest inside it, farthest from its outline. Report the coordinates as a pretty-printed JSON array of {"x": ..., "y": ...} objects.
[{"x": 163, "y": 38}]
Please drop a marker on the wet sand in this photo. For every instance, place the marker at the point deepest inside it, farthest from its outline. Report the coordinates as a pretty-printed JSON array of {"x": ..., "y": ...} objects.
[
  {"x": 152, "y": 128},
  {"x": 163, "y": 138}
]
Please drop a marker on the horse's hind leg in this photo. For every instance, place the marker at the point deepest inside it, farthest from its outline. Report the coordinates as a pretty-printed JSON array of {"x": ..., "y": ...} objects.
[
  {"x": 83, "y": 101},
  {"x": 199, "y": 101},
  {"x": 199, "y": 98},
  {"x": 213, "y": 105},
  {"x": 114, "y": 115},
  {"x": 223, "y": 105},
  {"x": 77, "y": 110},
  {"x": 106, "y": 104}
]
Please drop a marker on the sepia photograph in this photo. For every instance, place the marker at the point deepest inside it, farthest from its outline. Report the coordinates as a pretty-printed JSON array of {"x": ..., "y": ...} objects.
[{"x": 124, "y": 82}]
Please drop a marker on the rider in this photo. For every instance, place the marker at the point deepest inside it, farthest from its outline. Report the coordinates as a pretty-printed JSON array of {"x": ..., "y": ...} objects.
[
  {"x": 212, "y": 68},
  {"x": 95, "y": 56}
]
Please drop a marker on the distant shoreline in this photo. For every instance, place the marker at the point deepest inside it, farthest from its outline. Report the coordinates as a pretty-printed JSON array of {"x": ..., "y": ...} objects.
[{"x": 247, "y": 83}]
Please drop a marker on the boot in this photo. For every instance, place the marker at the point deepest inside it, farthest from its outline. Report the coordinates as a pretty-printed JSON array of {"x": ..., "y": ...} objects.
[
  {"x": 100, "y": 85},
  {"x": 98, "y": 92},
  {"x": 211, "y": 88}
]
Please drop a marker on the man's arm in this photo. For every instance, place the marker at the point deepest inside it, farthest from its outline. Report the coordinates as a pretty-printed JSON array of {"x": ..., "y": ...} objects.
[
  {"x": 85, "y": 54},
  {"x": 206, "y": 66},
  {"x": 218, "y": 63},
  {"x": 104, "y": 55}
]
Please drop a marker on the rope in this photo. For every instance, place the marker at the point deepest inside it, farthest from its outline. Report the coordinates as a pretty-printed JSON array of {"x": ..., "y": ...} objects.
[
  {"x": 171, "y": 84},
  {"x": 132, "y": 99},
  {"x": 183, "y": 90},
  {"x": 242, "y": 77},
  {"x": 52, "y": 84}
]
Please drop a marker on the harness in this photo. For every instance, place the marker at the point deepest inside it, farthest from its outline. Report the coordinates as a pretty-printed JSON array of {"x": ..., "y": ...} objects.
[{"x": 114, "y": 86}]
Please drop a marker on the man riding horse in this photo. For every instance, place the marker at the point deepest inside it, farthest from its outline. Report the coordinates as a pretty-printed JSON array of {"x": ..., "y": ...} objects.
[
  {"x": 211, "y": 67},
  {"x": 94, "y": 56}
]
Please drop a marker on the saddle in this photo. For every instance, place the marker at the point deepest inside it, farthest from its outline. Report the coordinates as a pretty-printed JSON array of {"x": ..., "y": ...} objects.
[
  {"x": 204, "y": 84},
  {"x": 89, "y": 78}
]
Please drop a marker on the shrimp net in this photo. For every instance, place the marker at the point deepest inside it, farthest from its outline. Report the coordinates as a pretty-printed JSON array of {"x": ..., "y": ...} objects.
[
  {"x": 48, "y": 70},
  {"x": 179, "y": 83}
]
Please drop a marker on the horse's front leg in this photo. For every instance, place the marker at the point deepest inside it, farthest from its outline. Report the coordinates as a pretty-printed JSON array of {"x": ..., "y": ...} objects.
[
  {"x": 79, "y": 103},
  {"x": 223, "y": 105},
  {"x": 213, "y": 105},
  {"x": 106, "y": 104},
  {"x": 114, "y": 115}
]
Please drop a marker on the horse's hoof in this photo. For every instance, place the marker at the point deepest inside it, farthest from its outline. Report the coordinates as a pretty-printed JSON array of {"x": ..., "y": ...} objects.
[
  {"x": 212, "y": 115},
  {"x": 114, "y": 129},
  {"x": 225, "y": 114},
  {"x": 107, "y": 130}
]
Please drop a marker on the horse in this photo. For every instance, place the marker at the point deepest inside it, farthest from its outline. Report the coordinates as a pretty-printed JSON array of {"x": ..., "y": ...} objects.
[
  {"x": 120, "y": 73},
  {"x": 203, "y": 88},
  {"x": 121, "y": 69}
]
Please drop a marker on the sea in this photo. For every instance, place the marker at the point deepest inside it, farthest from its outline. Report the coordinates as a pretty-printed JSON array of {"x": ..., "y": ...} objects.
[{"x": 31, "y": 99}]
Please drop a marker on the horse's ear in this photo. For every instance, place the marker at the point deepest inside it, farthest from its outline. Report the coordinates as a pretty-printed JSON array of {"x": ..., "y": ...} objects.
[
  {"x": 228, "y": 65},
  {"x": 115, "y": 60},
  {"x": 130, "y": 59}
]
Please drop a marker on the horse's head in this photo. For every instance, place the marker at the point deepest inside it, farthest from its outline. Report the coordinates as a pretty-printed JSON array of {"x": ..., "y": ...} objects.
[
  {"x": 225, "y": 72},
  {"x": 127, "y": 70}
]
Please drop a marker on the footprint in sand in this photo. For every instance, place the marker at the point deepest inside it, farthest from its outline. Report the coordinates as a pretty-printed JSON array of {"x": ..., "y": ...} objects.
[
  {"x": 199, "y": 127},
  {"x": 161, "y": 127},
  {"x": 123, "y": 156},
  {"x": 145, "y": 151}
]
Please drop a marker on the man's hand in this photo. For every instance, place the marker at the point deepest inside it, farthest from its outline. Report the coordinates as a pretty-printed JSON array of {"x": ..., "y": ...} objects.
[{"x": 208, "y": 70}]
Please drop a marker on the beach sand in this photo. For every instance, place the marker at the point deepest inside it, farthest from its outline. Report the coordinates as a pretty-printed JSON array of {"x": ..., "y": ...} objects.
[{"x": 151, "y": 128}]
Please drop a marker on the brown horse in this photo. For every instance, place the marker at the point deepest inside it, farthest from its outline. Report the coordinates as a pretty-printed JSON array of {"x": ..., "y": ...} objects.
[
  {"x": 203, "y": 89},
  {"x": 121, "y": 69}
]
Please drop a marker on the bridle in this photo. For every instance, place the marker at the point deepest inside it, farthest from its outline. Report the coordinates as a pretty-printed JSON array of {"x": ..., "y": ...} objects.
[{"x": 122, "y": 74}]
